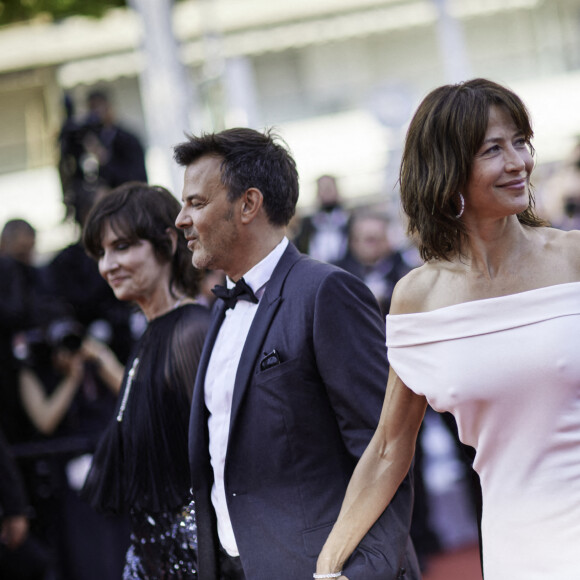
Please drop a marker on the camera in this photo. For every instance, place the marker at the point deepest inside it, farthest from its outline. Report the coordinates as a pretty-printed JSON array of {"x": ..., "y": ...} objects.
[
  {"x": 65, "y": 334},
  {"x": 36, "y": 346}
]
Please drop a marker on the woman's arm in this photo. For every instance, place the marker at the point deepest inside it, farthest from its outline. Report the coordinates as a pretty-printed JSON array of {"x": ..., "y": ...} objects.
[
  {"x": 46, "y": 412},
  {"x": 378, "y": 474},
  {"x": 108, "y": 366}
]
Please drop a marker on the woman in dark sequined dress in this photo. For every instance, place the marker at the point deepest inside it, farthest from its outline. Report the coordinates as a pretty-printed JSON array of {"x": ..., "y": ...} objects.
[{"x": 141, "y": 465}]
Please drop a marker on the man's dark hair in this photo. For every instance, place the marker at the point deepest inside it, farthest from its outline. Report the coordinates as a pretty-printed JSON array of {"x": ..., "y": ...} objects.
[{"x": 249, "y": 159}]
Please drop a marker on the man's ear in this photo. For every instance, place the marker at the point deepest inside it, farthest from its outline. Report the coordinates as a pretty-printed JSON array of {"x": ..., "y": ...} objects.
[{"x": 251, "y": 202}]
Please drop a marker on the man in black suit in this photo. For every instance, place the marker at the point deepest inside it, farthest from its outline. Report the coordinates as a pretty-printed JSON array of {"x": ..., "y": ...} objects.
[{"x": 291, "y": 381}]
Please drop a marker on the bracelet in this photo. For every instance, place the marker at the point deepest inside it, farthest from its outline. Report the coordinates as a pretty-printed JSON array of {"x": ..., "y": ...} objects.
[{"x": 329, "y": 575}]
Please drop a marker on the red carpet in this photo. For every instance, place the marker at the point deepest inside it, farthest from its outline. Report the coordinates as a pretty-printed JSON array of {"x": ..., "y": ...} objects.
[{"x": 460, "y": 564}]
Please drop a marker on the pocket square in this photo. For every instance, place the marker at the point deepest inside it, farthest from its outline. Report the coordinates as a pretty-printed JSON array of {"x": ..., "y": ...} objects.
[{"x": 271, "y": 359}]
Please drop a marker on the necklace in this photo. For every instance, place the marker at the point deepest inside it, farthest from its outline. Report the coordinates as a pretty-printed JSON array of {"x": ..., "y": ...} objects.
[{"x": 131, "y": 376}]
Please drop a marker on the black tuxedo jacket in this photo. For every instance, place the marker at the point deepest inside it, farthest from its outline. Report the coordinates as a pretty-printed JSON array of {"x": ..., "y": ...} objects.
[{"x": 298, "y": 428}]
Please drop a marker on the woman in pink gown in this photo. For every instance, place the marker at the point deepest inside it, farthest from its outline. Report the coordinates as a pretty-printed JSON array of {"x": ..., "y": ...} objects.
[{"x": 487, "y": 328}]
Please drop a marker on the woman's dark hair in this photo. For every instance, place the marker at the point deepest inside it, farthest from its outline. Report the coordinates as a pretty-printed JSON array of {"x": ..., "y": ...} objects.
[
  {"x": 443, "y": 138},
  {"x": 138, "y": 211},
  {"x": 249, "y": 159}
]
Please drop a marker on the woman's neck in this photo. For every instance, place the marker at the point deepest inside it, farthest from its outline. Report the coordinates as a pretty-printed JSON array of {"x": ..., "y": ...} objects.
[
  {"x": 492, "y": 250},
  {"x": 162, "y": 304}
]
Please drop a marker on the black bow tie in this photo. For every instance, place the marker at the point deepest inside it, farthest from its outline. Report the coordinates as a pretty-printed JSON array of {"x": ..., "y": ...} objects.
[{"x": 241, "y": 291}]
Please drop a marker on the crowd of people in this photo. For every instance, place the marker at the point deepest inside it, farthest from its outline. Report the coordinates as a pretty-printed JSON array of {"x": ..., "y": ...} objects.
[
  {"x": 191, "y": 390},
  {"x": 65, "y": 340}
]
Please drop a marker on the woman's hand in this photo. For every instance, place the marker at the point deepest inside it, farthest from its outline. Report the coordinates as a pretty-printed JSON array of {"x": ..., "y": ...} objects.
[
  {"x": 70, "y": 364},
  {"x": 94, "y": 350},
  {"x": 326, "y": 564},
  {"x": 109, "y": 367},
  {"x": 378, "y": 474}
]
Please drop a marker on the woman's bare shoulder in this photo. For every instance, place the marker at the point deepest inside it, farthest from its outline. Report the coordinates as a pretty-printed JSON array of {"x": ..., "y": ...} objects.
[
  {"x": 565, "y": 246},
  {"x": 412, "y": 292},
  {"x": 562, "y": 237}
]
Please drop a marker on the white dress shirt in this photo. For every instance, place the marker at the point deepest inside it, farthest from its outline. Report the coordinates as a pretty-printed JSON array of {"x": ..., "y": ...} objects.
[{"x": 219, "y": 384}]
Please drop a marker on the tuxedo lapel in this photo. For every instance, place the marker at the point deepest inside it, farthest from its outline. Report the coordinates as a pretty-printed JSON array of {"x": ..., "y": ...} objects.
[{"x": 264, "y": 316}]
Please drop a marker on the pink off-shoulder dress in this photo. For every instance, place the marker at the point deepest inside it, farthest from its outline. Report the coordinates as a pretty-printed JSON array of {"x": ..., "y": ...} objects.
[{"x": 508, "y": 368}]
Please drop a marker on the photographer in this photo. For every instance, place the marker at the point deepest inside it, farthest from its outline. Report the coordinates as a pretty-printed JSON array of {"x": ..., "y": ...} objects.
[
  {"x": 68, "y": 387},
  {"x": 118, "y": 152},
  {"x": 97, "y": 147},
  {"x": 96, "y": 153},
  {"x": 74, "y": 359}
]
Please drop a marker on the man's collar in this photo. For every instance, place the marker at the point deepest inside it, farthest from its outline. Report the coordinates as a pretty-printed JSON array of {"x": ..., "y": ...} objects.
[{"x": 257, "y": 277}]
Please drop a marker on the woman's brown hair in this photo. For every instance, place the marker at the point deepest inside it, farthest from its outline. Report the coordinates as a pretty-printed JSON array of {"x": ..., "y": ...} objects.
[{"x": 445, "y": 133}]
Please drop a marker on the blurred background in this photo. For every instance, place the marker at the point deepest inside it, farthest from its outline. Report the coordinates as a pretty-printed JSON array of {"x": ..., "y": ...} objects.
[{"x": 338, "y": 78}]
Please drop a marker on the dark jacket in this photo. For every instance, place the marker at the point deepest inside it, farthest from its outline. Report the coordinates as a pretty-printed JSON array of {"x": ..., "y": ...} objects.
[{"x": 297, "y": 429}]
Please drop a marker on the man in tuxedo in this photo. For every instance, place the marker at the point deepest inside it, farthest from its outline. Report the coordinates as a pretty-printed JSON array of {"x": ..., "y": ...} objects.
[{"x": 291, "y": 380}]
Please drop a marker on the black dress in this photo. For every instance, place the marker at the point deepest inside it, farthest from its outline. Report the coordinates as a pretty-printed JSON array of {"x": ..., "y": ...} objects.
[{"x": 141, "y": 464}]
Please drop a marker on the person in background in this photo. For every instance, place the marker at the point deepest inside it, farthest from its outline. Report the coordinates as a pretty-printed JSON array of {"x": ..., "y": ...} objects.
[
  {"x": 324, "y": 234},
  {"x": 22, "y": 307},
  {"x": 141, "y": 464},
  {"x": 60, "y": 367},
  {"x": 13, "y": 502},
  {"x": 487, "y": 329},
  {"x": 96, "y": 153},
  {"x": 371, "y": 256},
  {"x": 97, "y": 148},
  {"x": 69, "y": 394},
  {"x": 276, "y": 425},
  {"x": 18, "y": 240},
  {"x": 118, "y": 152},
  {"x": 560, "y": 193},
  {"x": 21, "y": 558}
]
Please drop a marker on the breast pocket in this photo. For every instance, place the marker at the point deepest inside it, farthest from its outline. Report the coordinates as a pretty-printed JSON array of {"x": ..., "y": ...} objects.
[{"x": 278, "y": 370}]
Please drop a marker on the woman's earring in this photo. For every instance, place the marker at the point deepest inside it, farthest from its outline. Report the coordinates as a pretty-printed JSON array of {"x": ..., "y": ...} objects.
[{"x": 462, "y": 203}]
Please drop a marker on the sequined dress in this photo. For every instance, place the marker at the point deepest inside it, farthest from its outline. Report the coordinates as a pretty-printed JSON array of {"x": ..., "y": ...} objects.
[
  {"x": 508, "y": 368},
  {"x": 141, "y": 464}
]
